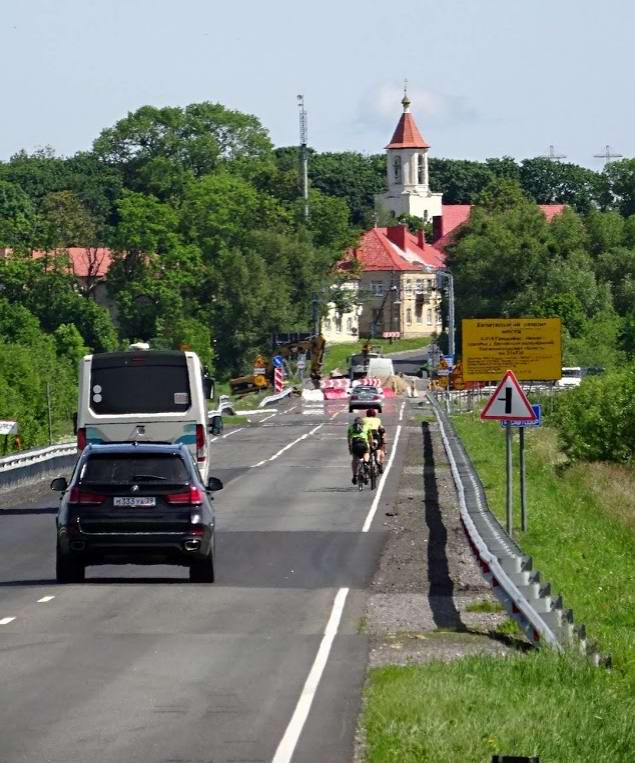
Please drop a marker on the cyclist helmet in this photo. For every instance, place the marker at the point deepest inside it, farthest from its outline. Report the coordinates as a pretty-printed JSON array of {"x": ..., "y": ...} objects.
[{"x": 371, "y": 412}]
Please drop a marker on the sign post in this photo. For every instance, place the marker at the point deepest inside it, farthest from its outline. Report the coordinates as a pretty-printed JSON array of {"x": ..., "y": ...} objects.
[
  {"x": 521, "y": 426},
  {"x": 507, "y": 404}
]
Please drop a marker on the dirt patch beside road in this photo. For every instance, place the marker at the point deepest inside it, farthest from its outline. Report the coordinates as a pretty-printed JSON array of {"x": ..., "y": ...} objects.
[{"x": 428, "y": 585}]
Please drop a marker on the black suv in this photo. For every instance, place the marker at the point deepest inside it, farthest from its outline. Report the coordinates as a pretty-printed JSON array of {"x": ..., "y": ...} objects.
[{"x": 135, "y": 504}]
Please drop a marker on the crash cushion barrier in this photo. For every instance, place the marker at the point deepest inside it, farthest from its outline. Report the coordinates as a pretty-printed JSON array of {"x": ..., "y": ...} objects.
[
  {"x": 313, "y": 395},
  {"x": 335, "y": 394}
]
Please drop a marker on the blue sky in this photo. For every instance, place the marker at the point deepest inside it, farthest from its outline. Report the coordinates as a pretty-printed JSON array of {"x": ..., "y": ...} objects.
[{"x": 487, "y": 77}]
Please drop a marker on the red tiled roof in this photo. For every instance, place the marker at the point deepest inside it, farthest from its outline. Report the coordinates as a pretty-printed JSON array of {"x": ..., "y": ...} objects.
[
  {"x": 455, "y": 215},
  {"x": 407, "y": 134},
  {"x": 551, "y": 210},
  {"x": 378, "y": 252},
  {"x": 85, "y": 261}
]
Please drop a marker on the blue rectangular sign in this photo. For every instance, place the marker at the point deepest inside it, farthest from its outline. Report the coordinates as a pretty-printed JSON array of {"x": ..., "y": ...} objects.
[{"x": 536, "y": 423}]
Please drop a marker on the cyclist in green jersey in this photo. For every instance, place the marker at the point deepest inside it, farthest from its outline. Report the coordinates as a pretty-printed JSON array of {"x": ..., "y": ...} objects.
[
  {"x": 373, "y": 422},
  {"x": 359, "y": 441}
]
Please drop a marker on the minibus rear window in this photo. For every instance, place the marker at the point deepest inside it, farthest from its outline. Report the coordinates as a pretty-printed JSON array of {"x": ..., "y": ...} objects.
[{"x": 139, "y": 388}]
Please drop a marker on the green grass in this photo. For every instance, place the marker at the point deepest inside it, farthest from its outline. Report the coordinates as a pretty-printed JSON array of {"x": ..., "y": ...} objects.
[
  {"x": 336, "y": 354},
  {"x": 579, "y": 542},
  {"x": 485, "y": 605},
  {"x": 560, "y": 708},
  {"x": 234, "y": 421}
]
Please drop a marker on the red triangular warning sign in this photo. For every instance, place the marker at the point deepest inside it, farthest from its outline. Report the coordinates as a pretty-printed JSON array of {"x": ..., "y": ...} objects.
[{"x": 508, "y": 402}]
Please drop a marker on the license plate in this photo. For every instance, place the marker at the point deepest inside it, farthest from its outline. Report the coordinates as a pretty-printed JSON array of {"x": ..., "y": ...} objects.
[{"x": 134, "y": 501}]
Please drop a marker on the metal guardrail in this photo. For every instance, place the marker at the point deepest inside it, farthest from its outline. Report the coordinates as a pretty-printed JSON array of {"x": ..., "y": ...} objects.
[
  {"x": 274, "y": 398},
  {"x": 29, "y": 465},
  {"x": 529, "y": 601}
]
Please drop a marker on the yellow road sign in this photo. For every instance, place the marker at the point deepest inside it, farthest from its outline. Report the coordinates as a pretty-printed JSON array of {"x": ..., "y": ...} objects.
[{"x": 530, "y": 347}]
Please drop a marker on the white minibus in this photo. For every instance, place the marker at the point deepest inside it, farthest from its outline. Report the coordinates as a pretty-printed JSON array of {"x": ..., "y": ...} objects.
[{"x": 145, "y": 396}]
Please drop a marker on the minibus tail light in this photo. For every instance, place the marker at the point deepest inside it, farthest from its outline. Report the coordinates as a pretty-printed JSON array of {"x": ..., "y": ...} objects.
[
  {"x": 81, "y": 438},
  {"x": 201, "y": 454}
]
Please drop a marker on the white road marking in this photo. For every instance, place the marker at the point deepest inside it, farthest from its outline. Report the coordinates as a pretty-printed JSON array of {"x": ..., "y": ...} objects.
[
  {"x": 229, "y": 434},
  {"x": 382, "y": 482},
  {"x": 403, "y": 405},
  {"x": 6, "y": 620},
  {"x": 288, "y": 743},
  {"x": 44, "y": 599},
  {"x": 286, "y": 447},
  {"x": 266, "y": 418}
]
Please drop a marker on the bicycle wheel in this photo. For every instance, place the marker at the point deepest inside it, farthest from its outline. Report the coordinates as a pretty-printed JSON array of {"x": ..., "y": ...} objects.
[{"x": 372, "y": 473}]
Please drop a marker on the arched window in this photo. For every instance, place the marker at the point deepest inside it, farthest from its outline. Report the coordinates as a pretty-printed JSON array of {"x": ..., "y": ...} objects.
[
  {"x": 396, "y": 165},
  {"x": 421, "y": 170}
]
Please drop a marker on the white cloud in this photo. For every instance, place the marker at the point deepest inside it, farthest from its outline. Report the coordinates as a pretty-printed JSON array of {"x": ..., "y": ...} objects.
[{"x": 380, "y": 107}]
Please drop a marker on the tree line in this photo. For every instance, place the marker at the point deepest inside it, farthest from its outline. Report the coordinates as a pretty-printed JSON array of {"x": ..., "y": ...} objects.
[{"x": 211, "y": 247}]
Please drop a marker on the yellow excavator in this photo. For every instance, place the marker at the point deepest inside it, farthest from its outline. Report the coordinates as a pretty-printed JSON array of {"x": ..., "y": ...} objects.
[{"x": 262, "y": 373}]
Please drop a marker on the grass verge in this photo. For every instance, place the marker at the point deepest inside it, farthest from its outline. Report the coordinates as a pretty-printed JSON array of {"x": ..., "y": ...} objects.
[
  {"x": 579, "y": 541},
  {"x": 559, "y": 708}
]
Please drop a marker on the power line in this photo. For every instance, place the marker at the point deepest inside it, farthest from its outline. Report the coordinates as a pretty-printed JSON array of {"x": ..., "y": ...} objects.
[
  {"x": 552, "y": 155},
  {"x": 607, "y": 155}
]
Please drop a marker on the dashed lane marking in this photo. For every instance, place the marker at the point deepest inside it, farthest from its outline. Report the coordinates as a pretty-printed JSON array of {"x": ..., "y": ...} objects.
[
  {"x": 266, "y": 418},
  {"x": 229, "y": 434},
  {"x": 45, "y": 599},
  {"x": 6, "y": 620},
  {"x": 288, "y": 743},
  {"x": 286, "y": 447},
  {"x": 384, "y": 477}
]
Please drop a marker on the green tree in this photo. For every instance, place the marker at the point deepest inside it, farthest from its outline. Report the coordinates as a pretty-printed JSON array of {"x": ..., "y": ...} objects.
[
  {"x": 65, "y": 222},
  {"x": 18, "y": 220},
  {"x": 549, "y": 182},
  {"x": 620, "y": 177},
  {"x": 218, "y": 212},
  {"x": 347, "y": 175},
  {"x": 461, "y": 181},
  {"x": 159, "y": 149}
]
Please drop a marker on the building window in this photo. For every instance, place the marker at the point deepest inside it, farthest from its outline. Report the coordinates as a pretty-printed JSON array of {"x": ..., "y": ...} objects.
[
  {"x": 396, "y": 167},
  {"x": 338, "y": 324},
  {"x": 349, "y": 325},
  {"x": 421, "y": 170},
  {"x": 377, "y": 288},
  {"x": 420, "y": 286},
  {"x": 409, "y": 316},
  {"x": 429, "y": 317},
  {"x": 327, "y": 324}
]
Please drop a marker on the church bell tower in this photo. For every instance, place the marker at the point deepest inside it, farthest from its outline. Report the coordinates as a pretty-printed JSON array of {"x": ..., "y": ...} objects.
[{"x": 407, "y": 171}]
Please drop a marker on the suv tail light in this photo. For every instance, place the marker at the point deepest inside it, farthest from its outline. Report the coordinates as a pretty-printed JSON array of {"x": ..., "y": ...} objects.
[
  {"x": 201, "y": 453},
  {"x": 81, "y": 438},
  {"x": 192, "y": 496},
  {"x": 85, "y": 497}
]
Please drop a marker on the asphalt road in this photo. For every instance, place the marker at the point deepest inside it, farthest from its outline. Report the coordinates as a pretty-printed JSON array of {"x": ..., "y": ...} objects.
[{"x": 138, "y": 665}]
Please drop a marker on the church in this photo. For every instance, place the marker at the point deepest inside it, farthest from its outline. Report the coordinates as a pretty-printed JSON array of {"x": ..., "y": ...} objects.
[{"x": 393, "y": 272}]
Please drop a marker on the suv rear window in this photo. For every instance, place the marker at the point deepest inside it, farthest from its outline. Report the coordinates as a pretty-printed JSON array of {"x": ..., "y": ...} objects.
[
  {"x": 128, "y": 469},
  {"x": 128, "y": 383}
]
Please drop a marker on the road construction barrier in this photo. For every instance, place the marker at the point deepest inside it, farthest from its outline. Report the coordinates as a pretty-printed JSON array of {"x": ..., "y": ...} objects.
[{"x": 527, "y": 599}]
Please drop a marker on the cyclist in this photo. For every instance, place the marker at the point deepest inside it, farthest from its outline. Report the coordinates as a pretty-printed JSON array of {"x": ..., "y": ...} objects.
[
  {"x": 378, "y": 433},
  {"x": 359, "y": 442}
]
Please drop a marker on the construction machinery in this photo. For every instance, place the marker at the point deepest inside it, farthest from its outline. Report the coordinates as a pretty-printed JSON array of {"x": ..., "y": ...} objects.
[{"x": 295, "y": 354}]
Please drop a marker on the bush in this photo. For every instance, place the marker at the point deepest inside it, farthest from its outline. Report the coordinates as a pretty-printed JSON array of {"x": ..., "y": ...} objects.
[{"x": 596, "y": 421}]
